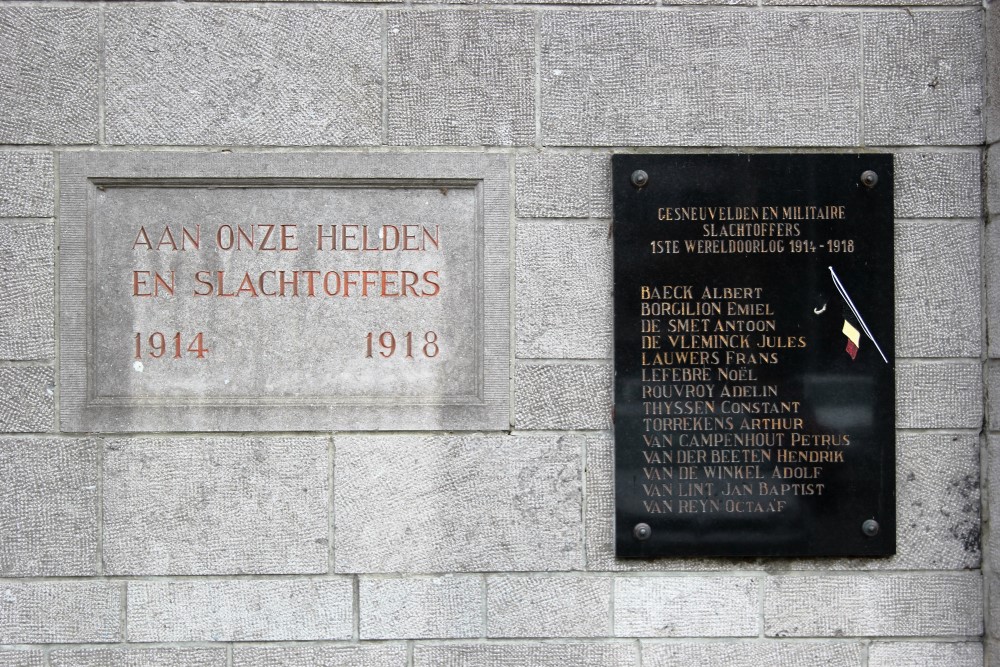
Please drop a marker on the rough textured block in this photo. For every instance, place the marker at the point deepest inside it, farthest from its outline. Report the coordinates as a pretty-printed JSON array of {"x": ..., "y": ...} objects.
[
  {"x": 686, "y": 607},
  {"x": 992, "y": 590},
  {"x": 992, "y": 79},
  {"x": 48, "y": 77},
  {"x": 469, "y": 503},
  {"x": 993, "y": 497},
  {"x": 48, "y": 508},
  {"x": 371, "y": 655},
  {"x": 563, "y": 290},
  {"x": 939, "y": 395},
  {"x": 746, "y": 653},
  {"x": 740, "y": 77},
  {"x": 461, "y": 78},
  {"x": 925, "y": 654},
  {"x": 27, "y": 284},
  {"x": 243, "y": 76},
  {"x": 421, "y": 608},
  {"x": 902, "y": 605},
  {"x": 993, "y": 179},
  {"x": 562, "y": 396},
  {"x": 153, "y": 657},
  {"x": 993, "y": 392},
  {"x": 563, "y": 185},
  {"x": 26, "y": 185},
  {"x": 193, "y": 506},
  {"x": 931, "y": 65},
  {"x": 577, "y": 654},
  {"x": 26, "y": 399},
  {"x": 240, "y": 610},
  {"x": 938, "y": 308},
  {"x": 531, "y": 606},
  {"x": 992, "y": 268},
  {"x": 15, "y": 658},
  {"x": 60, "y": 612},
  {"x": 938, "y": 185}
]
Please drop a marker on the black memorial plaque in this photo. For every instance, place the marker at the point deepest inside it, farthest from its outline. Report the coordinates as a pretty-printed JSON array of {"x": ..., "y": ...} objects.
[{"x": 754, "y": 381}]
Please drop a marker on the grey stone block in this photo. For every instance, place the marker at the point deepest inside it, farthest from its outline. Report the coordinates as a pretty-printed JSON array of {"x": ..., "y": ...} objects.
[
  {"x": 562, "y": 396},
  {"x": 993, "y": 497},
  {"x": 699, "y": 78},
  {"x": 683, "y": 606},
  {"x": 22, "y": 658},
  {"x": 243, "y": 76},
  {"x": 460, "y": 78},
  {"x": 938, "y": 185},
  {"x": 563, "y": 290},
  {"x": 563, "y": 185},
  {"x": 445, "y": 607},
  {"x": 946, "y": 603},
  {"x": 226, "y": 506},
  {"x": 48, "y": 77},
  {"x": 992, "y": 268},
  {"x": 931, "y": 65},
  {"x": 48, "y": 507},
  {"x": 370, "y": 655},
  {"x": 992, "y": 592},
  {"x": 60, "y": 612},
  {"x": 26, "y": 399},
  {"x": 735, "y": 654},
  {"x": 993, "y": 178},
  {"x": 139, "y": 657},
  {"x": 239, "y": 610},
  {"x": 536, "y": 654},
  {"x": 925, "y": 654},
  {"x": 469, "y": 503},
  {"x": 993, "y": 396},
  {"x": 946, "y": 394},
  {"x": 26, "y": 185},
  {"x": 938, "y": 283},
  {"x": 992, "y": 78},
  {"x": 533, "y": 606},
  {"x": 27, "y": 285}
]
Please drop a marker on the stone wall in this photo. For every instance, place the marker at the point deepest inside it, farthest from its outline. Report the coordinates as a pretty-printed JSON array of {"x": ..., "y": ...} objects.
[{"x": 489, "y": 549}]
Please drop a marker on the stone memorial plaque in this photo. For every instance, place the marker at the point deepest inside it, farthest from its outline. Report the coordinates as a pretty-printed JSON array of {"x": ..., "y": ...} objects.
[
  {"x": 281, "y": 291},
  {"x": 754, "y": 380}
]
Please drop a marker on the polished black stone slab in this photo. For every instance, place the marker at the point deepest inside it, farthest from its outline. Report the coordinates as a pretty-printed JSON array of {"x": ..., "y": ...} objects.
[{"x": 747, "y": 421}]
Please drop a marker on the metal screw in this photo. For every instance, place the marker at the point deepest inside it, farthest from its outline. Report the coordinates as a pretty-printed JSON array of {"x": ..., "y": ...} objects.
[
  {"x": 642, "y": 531},
  {"x": 870, "y": 528},
  {"x": 639, "y": 179},
  {"x": 869, "y": 179}
]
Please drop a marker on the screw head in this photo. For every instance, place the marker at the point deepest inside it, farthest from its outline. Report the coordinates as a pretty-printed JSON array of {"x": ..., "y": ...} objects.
[
  {"x": 640, "y": 179},
  {"x": 642, "y": 531},
  {"x": 869, "y": 178},
  {"x": 870, "y": 528}
]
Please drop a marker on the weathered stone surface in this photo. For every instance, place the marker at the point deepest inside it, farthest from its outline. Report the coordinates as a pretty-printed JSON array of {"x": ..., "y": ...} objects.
[
  {"x": 992, "y": 78},
  {"x": 931, "y": 65},
  {"x": 992, "y": 268},
  {"x": 240, "y": 610},
  {"x": 925, "y": 654},
  {"x": 48, "y": 507},
  {"x": 938, "y": 309},
  {"x": 27, "y": 310},
  {"x": 745, "y": 653},
  {"x": 536, "y": 654},
  {"x": 59, "y": 612},
  {"x": 26, "y": 184},
  {"x": 563, "y": 185},
  {"x": 138, "y": 657},
  {"x": 533, "y": 606},
  {"x": 938, "y": 185},
  {"x": 26, "y": 399},
  {"x": 460, "y": 78},
  {"x": 242, "y": 76},
  {"x": 699, "y": 78},
  {"x": 470, "y": 503},
  {"x": 562, "y": 396},
  {"x": 947, "y": 603},
  {"x": 421, "y": 608},
  {"x": 17, "y": 658},
  {"x": 371, "y": 655},
  {"x": 993, "y": 496},
  {"x": 686, "y": 607},
  {"x": 48, "y": 78},
  {"x": 945, "y": 394},
  {"x": 563, "y": 290},
  {"x": 993, "y": 179},
  {"x": 993, "y": 393},
  {"x": 227, "y": 506}
]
